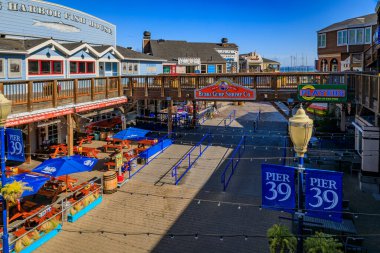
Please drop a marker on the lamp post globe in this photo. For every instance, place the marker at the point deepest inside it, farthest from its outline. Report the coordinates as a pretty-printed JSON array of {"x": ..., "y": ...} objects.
[
  {"x": 300, "y": 131},
  {"x": 5, "y": 109}
]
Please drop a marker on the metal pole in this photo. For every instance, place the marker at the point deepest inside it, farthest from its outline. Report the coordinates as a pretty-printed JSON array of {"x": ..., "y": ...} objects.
[
  {"x": 3, "y": 183},
  {"x": 300, "y": 212}
]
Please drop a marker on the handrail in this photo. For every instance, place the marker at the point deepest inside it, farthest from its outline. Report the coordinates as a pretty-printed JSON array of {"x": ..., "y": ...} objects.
[
  {"x": 231, "y": 117},
  {"x": 177, "y": 179},
  {"x": 230, "y": 163}
]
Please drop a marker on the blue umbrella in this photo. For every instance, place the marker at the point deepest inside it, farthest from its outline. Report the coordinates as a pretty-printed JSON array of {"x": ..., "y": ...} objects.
[
  {"x": 65, "y": 165},
  {"x": 132, "y": 133},
  {"x": 30, "y": 180}
]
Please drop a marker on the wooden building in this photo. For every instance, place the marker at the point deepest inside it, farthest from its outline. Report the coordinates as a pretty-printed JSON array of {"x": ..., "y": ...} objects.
[
  {"x": 254, "y": 63},
  {"x": 341, "y": 45}
]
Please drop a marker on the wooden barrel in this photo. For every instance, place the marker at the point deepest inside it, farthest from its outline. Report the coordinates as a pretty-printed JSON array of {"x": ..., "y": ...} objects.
[{"x": 110, "y": 182}]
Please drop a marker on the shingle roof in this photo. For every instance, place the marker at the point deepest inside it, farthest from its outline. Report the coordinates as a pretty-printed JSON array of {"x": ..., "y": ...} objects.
[
  {"x": 266, "y": 60},
  {"x": 171, "y": 50},
  {"x": 130, "y": 54},
  {"x": 19, "y": 45},
  {"x": 370, "y": 19},
  {"x": 71, "y": 46},
  {"x": 101, "y": 49}
]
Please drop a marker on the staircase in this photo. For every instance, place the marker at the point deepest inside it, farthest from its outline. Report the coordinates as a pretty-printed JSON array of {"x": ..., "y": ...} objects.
[{"x": 370, "y": 58}]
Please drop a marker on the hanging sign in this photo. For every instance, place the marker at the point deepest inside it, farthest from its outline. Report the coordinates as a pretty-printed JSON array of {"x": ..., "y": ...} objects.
[
  {"x": 335, "y": 93},
  {"x": 225, "y": 89},
  {"x": 278, "y": 188},
  {"x": 15, "y": 145},
  {"x": 323, "y": 192}
]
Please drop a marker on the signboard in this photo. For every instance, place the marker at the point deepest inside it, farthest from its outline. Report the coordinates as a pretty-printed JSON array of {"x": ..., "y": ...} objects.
[
  {"x": 335, "y": 93},
  {"x": 278, "y": 188},
  {"x": 323, "y": 192},
  {"x": 189, "y": 61},
  {"x": 15, "y": 145},
  {"x": 50, "y": 20},
  {"x": 225, "y": 89},
  {"x": 37, "y": 117}
]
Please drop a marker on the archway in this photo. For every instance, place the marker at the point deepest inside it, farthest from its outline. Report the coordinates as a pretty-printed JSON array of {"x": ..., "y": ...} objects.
[
  {"x": 324, "y": 65},
  {"x": 334, "y": 65}
]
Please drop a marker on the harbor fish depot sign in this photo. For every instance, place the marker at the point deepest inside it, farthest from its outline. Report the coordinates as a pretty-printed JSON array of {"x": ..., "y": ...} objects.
[
  {"x": 334, "y": 93},
  {"x": 225, "y": 89}
]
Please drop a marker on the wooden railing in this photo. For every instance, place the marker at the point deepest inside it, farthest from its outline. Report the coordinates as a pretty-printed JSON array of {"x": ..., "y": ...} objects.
[{"x": 32, "y": 95}]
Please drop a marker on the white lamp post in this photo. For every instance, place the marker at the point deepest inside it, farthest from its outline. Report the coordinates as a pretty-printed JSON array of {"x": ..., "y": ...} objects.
[
  {"x": 5, "y": 110},
  {"x": 300, "y": 131}
]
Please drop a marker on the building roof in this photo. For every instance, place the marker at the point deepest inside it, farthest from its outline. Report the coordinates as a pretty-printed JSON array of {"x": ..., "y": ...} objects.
[
  {"x": 130, "y": 54},
  {"x": 15, "y": 45},
  {"x": 171, "y": 50},
  {"x": 367, "y": 20},
  {"x": 72, "y": 46},
  {"x": 266, "y": 60},
  {"x": 101, "y": 49}
]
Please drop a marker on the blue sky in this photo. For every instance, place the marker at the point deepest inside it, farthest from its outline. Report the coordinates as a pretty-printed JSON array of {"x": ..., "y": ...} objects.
[{"x": 276, "y": 29}]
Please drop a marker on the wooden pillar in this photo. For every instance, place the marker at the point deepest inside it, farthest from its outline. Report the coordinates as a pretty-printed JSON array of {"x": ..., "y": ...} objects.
[
  {"x": 343, "y": 118},
  {"x": 155, "y": 110},
  {"x": 92, "y": 89},
  {"x": 28, "y": 142},
  {"x": 106, "y": 87},
  {"x": 170, "y": 118},
  {"x": 194, "y": 123},
  {"x": 30, "y": 96},
  {"x": 75, "y": 91},
  {"x": 55, "y": 93},
  {"x": 70, "y": 135},
  {"x": 120, "y": 86}
]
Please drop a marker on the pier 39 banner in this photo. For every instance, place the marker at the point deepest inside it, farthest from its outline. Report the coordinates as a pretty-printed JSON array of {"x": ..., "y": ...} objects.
[
  {"x": 43, "y": 19},
  {"x": 225, "y": 89}
]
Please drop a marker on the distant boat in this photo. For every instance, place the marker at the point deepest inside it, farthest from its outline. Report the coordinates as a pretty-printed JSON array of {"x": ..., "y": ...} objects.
[
  {"x": 298, "y": 69},
  {"x": 59, "y": 26}
]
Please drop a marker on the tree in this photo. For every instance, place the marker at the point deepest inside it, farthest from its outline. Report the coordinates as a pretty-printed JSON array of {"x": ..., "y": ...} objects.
[
  {"x": 281, "y": 240},
  {"x": 322, "y": 243}
]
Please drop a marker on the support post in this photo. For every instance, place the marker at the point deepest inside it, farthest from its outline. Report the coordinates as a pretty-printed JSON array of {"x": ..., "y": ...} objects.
[
  {"x": 70, "y": 135},
  {"x": 30, "y": 96},
  {"x": 92, "y": 94},
  {"x": 170, "y": 118},
  {"x": 300, "y": 213},
  {"x": 28, "y": 145},
  {"x": 155, "y": 111},
  {"x": 5, "y": 236},
  {"x": 75, "y": 91},
  {"x": 194, "y": 124},
  {"x": 55, "y": 93},
  {"x": 120, "y": 86},
  {"x": 107, "y": 86}
]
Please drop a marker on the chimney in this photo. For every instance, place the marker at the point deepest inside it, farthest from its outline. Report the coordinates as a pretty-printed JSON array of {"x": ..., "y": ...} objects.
[
  {"x": 224, "y": 42},
  {"x": 146, "y": 42}
]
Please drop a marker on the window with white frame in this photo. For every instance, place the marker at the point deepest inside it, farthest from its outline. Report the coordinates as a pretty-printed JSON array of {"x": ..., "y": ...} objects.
[
  {"x": 14, "y": 68},
  {"x": 368, "y": 35},
  {"x": 322, "y": 40},
  {"x": 124, "y": 68},
  {"x": 203, "y": 69},
  {"x": 219, "y": 68},
  {"x": 133, "y": 68},
  {"x": 342, "y": 38},
  {"x": 2, "y": 67},
  {"x": 360, "y": 36}
]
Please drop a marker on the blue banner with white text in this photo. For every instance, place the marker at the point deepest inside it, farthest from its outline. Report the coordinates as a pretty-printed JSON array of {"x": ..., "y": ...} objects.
[
  {"x": 323, "y": 190},
  {"x": 15, "y": 145},
  {"x": 278, "y": 187}
]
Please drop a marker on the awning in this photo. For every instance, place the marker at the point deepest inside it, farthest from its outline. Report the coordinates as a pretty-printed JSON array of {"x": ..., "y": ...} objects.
[{"x": 132, "y": 133}]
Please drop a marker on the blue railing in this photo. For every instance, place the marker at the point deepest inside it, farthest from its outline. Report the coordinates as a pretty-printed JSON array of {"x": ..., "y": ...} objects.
[
  {"x": 231, "y": 164},
  {"x": 187, "y": 158},
  {"x": 230, "y": 118},
  {"x": 147, "y": 155},
  {"x": 202, "y": 117}
]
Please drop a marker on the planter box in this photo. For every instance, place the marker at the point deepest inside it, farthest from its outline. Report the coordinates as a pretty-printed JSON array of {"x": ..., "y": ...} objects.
[
  {"x": 75, "y": 217},
  {"x": 43, "y": 239}
]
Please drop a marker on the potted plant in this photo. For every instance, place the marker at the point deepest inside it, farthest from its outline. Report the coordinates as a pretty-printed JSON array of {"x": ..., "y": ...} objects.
[
  {"x": 322, "y": 243},
  {"x": 281, "y": 240}
]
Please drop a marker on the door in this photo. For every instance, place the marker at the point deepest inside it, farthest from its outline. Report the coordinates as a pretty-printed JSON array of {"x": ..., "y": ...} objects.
[{"x": 101, "y": 69}]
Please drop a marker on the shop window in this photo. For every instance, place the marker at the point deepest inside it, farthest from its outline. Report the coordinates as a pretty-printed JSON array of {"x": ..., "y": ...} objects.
[
  {"x": 57, "y": 67},
  {"x": 38, "y": 67},
  {"x": 136, "y": 68},
  {"x": 166, "y": 69},
  {"x": 82, "y": 67},
  {"x": 53, "y": 133},
  {"x": 14, "y": 68},
  {"x": 219, "y": 68},
  {"x": 203, "y": 69},
  {"x": 2, "y": 68},
  {"x": 45, "y": 67},
  {"x": 124, "y": 68}
]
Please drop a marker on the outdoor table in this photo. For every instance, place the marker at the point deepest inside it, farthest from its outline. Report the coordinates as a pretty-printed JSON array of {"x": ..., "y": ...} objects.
[
  {"x": 147, "y": 142},
  {"x": 112, "y": 146},
  {"x": 58, "y": 149},
  {"x": 346, "y": 227},
  {"x": 86, "y": 151}
]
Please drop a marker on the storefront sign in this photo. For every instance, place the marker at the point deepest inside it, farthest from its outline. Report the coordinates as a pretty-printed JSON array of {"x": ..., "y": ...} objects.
[
  {"x": 278, "y": 188},
  {"x": 324, "y": 194},
  {"x": 44, "y": 19},
  {"x": 335, "y": 93},
  {"x": 189, "y": 61},
  {"x": 94, "y": 106},
  {"x": 38, "y": 117},
  {"x": 15, "y": 145},
  {"x": 225, "y": 89}
]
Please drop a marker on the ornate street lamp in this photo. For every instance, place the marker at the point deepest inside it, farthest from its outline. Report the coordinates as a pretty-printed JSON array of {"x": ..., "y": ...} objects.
[
  {"x": 300, "y": 131},
  {"x": 5, "y": 110}
]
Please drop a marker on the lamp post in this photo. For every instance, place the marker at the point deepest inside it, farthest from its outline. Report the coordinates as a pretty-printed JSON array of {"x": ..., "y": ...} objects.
[
  {"x": 5, "y": 110},
  {"x": 300, "y": 131}
]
